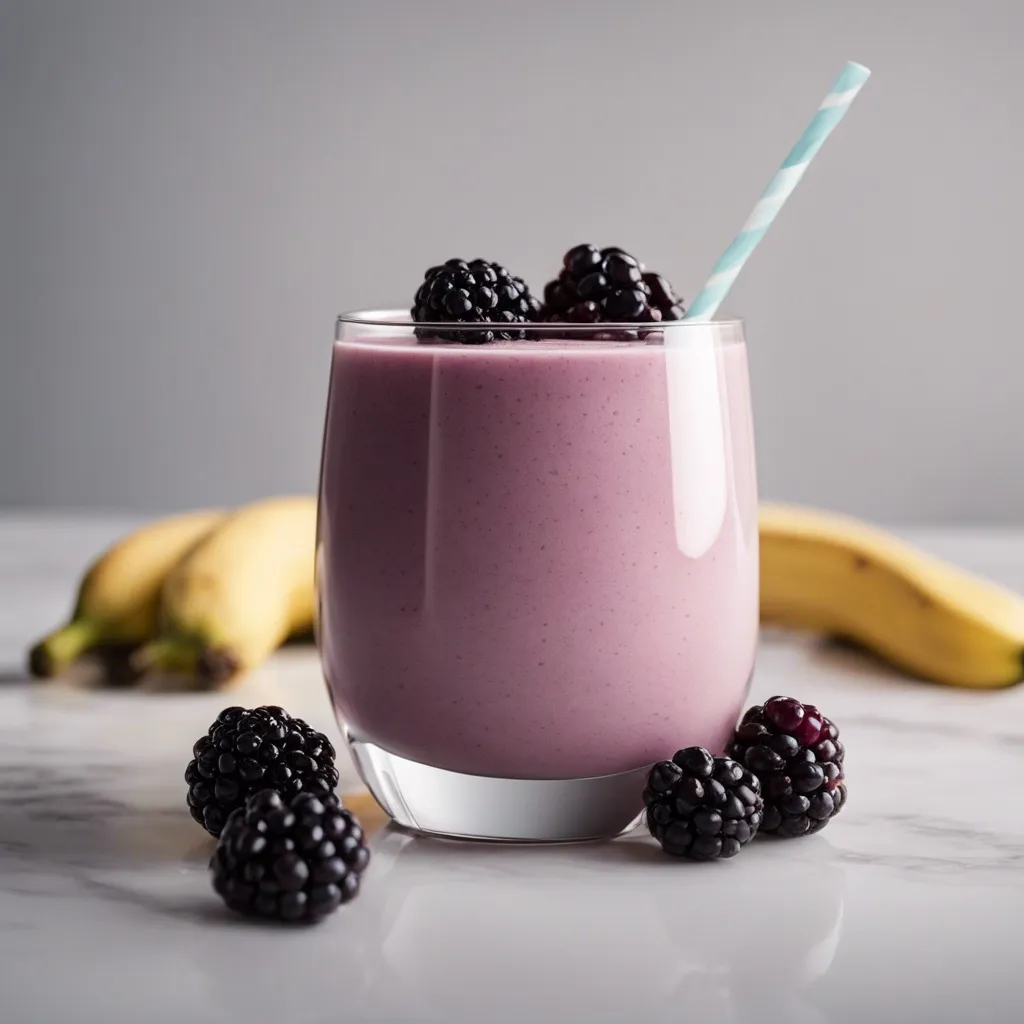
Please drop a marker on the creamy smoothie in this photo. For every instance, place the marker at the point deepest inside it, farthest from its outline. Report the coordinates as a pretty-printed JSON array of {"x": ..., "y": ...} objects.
[{"x": 502, "y": 587}]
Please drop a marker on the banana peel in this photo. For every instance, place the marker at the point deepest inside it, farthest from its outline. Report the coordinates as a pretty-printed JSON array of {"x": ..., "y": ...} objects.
[
  {"x": 239, "y": 594},
  {"x": 835, "y": 575},
  {"x": 118, "y": 600}
]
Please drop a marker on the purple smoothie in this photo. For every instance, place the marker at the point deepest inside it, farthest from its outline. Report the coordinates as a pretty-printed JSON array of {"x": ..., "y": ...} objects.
[{"x": 502, "y": 590}]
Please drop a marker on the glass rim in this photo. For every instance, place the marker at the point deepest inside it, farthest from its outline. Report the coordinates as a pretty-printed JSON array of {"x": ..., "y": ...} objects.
[{"x": 402, "y": 319}]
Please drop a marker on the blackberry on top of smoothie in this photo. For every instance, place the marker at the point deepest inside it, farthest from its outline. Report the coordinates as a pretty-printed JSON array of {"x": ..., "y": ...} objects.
[{"x": 594, "y": 286}]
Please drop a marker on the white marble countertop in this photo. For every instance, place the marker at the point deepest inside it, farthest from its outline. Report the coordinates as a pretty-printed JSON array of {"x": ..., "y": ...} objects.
[{"x": 909, "y": 907}]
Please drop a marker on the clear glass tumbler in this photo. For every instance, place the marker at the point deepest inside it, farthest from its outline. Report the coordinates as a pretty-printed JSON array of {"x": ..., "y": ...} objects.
[{"x": 537, "y": 566}]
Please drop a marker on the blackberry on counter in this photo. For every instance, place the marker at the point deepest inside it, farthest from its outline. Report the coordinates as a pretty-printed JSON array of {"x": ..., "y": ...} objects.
[
  {"x": 702, "y": 807},
  {"x": 796, "y": 753},
  {"x": 247, "y": 751},
  {"x": 295, "y": 859},
  {"x": 608, "y": 286},
  {"x": 458, "y": 292}
]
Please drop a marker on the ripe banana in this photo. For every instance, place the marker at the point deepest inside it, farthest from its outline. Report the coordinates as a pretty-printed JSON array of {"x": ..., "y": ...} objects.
[
  {"x": 839, "y": 576},
  {"x": 239, "y": 593},
  {"x": 119, "y": 596}
]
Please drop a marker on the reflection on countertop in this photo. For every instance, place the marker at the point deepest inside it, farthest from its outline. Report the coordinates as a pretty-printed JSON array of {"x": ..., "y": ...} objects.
[{"x": 533, "y": 923}]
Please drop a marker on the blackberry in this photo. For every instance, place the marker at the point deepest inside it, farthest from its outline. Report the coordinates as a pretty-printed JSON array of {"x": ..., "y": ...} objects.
[
  {"x": 796, "y": 753},
  {"x": 246, "y": 751},
  {"x": 474, "y": 292},
  {"x": 608, "y": 286},
  {"x": 702, "y": 807},
  {"x": 294, "y": 859}
]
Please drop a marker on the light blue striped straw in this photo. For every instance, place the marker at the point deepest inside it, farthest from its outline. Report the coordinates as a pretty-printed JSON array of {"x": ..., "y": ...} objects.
[{"x": 832, "y": 110}]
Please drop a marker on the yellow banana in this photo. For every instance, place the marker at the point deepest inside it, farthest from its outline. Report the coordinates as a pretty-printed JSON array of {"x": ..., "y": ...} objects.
[
  {"x": 239, "y": 593},
  {"x": 839, "y": 576},
  {"x": 119, "y": 596}
]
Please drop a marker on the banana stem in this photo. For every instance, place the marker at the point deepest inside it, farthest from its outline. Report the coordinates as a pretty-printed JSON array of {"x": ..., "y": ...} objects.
[
  {"x": 167, "y": 654},
  {"x": 209, "y": 665},
  {"x": 55, "y": 652}
]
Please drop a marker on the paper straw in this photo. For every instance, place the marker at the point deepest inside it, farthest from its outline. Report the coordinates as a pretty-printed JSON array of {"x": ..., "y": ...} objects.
[{"x": 832, "y": 110}]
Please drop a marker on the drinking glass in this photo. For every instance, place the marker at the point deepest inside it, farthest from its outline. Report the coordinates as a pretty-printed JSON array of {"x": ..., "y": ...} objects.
[{"x": 537, "y": 564}]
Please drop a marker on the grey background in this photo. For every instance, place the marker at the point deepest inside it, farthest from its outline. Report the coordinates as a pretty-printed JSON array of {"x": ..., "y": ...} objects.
[{"x": 191, "y": 190}]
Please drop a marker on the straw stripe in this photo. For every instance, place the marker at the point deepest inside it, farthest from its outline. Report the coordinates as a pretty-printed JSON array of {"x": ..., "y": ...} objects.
[
  {"x": 839, "y": 99},
  {"x": 832, "y": 110},
  {"x": 768, "y": 205}
]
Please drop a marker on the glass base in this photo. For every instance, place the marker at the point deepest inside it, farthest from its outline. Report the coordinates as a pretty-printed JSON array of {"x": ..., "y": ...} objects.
[{"x": 442, "y": 803}]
